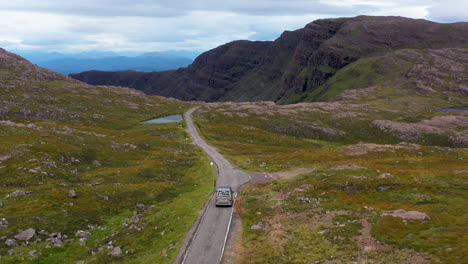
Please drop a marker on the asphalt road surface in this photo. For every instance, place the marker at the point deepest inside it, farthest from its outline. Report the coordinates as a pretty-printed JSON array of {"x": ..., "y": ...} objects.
[{"x": 207, "y": 246}]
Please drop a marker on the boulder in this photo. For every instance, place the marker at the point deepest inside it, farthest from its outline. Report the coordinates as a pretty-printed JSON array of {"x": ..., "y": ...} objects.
[
  {"x": 141, "y": 206},
  {"x": 56, "y": 238},
  {"x": 256, "y": 227},
  {"x": 82, "y": 234},
  {"x": 97, "y": 163},
  {"x": 72, "y": 194},
  {"x": 3, "y": 223},
  {"x": 26, "y": 234},
  {"x": 116, "y": 251},
  {"x": 11, "y": 243}
]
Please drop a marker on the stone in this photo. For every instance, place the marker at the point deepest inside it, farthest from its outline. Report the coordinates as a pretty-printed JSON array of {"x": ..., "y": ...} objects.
[
  {"x": 164, "y": 253},
  {"x": 1, "y": 204},
  {"x": 72, "y": 194},
  {"x": 26, "y": 234},
  {"x": 83, "y": 234},
  {"x": 33, "y": 253},
  {"x": 384, "y": 175},
  {"x": 50, "y": 165},
  {"x": 3, "y": 223},
  {"x": 97, "y": 163},
  {"x": 116, "y": 251},
  {"x": 4, "y": 158},
  {"x": 80, "y": 262},
  {"x": 56, "y": 238},
  {"x": 402, "y": 213},
  {"x": 141, "y": 206},
  {"x": 256, "y": 227},
  {"x": 11, "y": 243},
  {"x": 18, "y": 193}
]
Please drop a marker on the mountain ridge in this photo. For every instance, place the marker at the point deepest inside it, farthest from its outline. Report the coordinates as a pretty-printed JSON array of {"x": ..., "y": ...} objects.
[{"x": 295, "y": 64}]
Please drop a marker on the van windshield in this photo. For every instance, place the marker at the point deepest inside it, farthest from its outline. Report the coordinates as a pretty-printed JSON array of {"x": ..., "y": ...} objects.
[{"x": 224, "y": 194}]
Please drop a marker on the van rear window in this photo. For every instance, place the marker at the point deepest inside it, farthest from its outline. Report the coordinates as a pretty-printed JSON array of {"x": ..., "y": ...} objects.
[{"x": 224, "y": 193}]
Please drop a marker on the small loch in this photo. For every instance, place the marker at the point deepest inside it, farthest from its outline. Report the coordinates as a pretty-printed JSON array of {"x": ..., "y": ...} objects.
[
  {"x": 165, "y": 120},
  {"x": 453, "y": 109}
]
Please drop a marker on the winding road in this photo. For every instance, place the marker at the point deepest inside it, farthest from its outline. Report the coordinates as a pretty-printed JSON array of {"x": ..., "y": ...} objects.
[{"x": 209, "y": 239}]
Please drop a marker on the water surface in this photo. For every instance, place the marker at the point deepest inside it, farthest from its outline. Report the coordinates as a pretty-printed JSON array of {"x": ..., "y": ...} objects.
[
  {"x": 165, "y": 120},
  {"x": 453, "y": 109}
]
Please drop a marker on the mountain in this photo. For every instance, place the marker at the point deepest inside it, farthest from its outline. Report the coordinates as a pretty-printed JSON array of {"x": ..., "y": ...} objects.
[
  {"x": 110, "y": 61},
  {"x": 172, "y": 53},
  {"x": 290, "y": 68},
  {"x": 70, "y": 65},
  {"x": 38, "y": 56}
]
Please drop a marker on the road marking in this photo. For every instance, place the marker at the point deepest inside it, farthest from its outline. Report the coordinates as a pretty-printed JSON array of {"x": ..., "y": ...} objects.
[{"x": 227, "y": 233}]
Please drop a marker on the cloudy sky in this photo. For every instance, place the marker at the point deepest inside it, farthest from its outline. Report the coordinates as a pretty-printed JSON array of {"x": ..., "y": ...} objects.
[{"x": 158, "y": 25}]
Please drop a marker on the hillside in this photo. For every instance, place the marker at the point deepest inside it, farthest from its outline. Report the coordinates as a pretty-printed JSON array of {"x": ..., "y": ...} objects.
[
  {"x": 291, "y": 68},
  {"x": 383, "y": 175},
  {"x": 81, "y": 177}
]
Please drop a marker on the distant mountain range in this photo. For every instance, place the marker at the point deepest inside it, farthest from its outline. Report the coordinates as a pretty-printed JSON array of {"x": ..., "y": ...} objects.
[
  {"x": 110, "y": 61},
  {"x": 293, "y": 68}
]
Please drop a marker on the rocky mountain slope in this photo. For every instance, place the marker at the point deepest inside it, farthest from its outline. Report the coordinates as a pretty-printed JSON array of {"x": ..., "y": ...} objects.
[
  {"x": 291, "y": 68},
  {"x": 82, "y": 181}
]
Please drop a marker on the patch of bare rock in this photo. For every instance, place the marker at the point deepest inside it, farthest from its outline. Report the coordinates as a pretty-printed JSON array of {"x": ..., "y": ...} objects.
[
  {"x": 441, "y": 125},
  {"x": 351, "y": 166},
  {"x": 355, "y": 94},
  {"x": 19, "y": 193},
  {"x": 365, "y": 148},
  {"x": 402, "y": 213}
]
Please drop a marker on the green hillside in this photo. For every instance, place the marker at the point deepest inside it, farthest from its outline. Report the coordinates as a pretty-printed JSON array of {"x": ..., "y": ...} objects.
[{"x": 75, "y": 157}]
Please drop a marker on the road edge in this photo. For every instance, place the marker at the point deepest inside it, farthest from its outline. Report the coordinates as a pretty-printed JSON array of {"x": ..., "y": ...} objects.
[{"x": 184, "y": 248}]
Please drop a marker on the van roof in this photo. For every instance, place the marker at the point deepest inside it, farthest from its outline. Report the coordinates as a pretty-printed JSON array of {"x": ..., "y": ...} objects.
[{"x": 224, "y": 188}]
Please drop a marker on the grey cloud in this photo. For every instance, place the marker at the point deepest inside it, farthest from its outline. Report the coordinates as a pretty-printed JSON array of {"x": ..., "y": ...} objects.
[
  {"x": 163, "y": 8},
  {"x": 149, "y": 25}
]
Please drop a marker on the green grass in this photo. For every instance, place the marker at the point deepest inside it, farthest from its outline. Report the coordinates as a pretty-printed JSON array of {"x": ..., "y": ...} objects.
[
  {"x": 426, "y": 184},
  {"x": 319, "y": 216}
]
